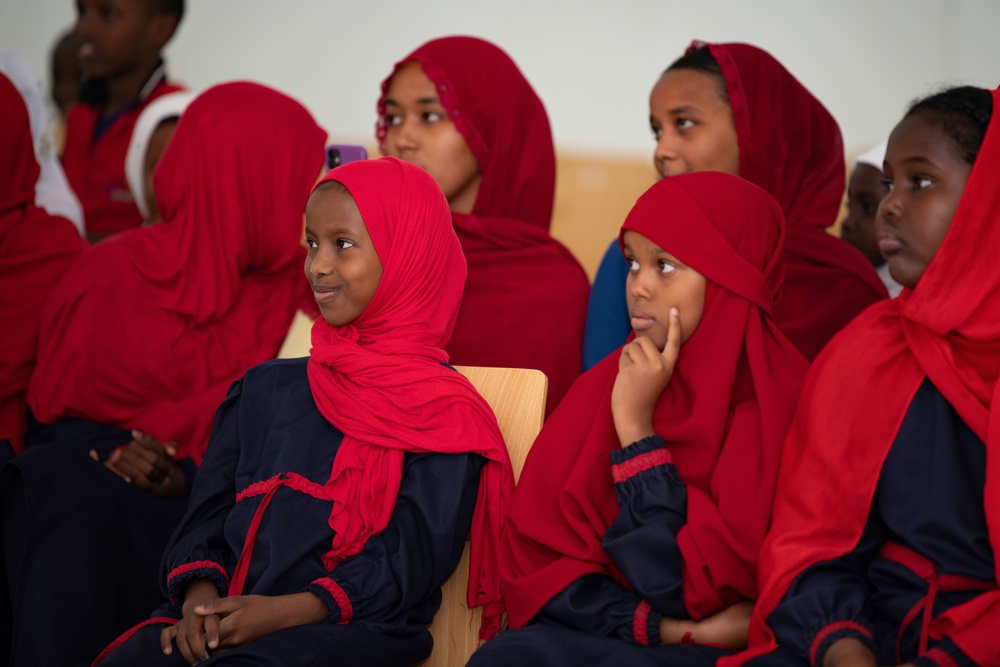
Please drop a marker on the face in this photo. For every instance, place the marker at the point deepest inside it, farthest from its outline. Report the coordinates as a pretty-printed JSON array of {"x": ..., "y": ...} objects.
[
  {"x": 693, "y": 125},
  {"x": 418, "y": 130},
  {"x": 865, "y": 191},
  {"x": 926, "y": 177},
  {"x": 658, "y": 281},
  {"x": 342, "y": 264},
  {"x": 119, "y": 36},
  {"x": 157, "y": 144}
]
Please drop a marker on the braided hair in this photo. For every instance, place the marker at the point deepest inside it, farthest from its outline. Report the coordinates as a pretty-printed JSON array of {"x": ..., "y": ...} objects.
[{"x": 963, "y": 114}]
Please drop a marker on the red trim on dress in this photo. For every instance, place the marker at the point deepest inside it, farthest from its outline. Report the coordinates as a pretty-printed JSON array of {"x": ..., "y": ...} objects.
[
  {"x": 344, "y": 602},
  {"x": 125, "y": 636},
  {"x": 829, "y": 630},
  {"x": 197, "y": 565},
  {"x": 639, "y": 622},
  {"x": 626, "y": 469}
]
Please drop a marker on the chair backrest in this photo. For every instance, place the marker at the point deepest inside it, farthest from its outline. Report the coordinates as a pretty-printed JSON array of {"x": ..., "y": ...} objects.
[{"x": 517, "y": 396}]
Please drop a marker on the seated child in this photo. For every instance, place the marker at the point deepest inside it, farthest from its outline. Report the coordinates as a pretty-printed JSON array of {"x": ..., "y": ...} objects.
[
  {"x": 34, "y": 246},
  {"x": 153, "y": 131},
  {"x": 866, "y": 189},
  {"x": 338, "y": 490},
  {"x": 886, "y": 525},
  {"x": 120, "y": 56},
  {"x": 633, "y": 533}
]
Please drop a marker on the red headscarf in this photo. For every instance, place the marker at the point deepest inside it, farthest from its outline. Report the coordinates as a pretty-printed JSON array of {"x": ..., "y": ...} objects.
[
  {"x": 35, "y": 248},
  {"x": 790, "y": 145},
  {"x": 149, "y": 328},
  {"x": 946, "y": 329},
  {"x": 723, "y": 414},
  {"x": 526, "y": 296},
  {"x": 382, "y": 382}
]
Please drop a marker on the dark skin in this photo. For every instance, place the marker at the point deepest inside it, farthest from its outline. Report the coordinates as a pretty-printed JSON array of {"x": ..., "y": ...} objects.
[
  {"x": 121, "y": 41},
  {"x": 865, "y": 191},
  {"x": 148, "y": 464}
]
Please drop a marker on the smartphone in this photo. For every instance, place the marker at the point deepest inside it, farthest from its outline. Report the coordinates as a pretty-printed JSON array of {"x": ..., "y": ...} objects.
[{"x": 338, "y": 154}]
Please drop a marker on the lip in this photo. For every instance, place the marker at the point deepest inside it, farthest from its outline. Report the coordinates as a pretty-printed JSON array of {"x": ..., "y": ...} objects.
[
  {"x": 641, "y": 321},
  {"x": 325, "y": 294},
  {"x": 888, "y": 243},
  {"x": 87, "y": 51}
]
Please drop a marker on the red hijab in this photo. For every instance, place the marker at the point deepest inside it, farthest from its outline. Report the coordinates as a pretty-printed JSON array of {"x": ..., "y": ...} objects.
[
  {"x": 790, "y": 145},
  {"x": 34, "y": 248},
  {"x": 526, "y": 295},
  {"x": 946, "y": 329},
  {"x": 382, "y": 382},
  {"x": 149, "y": 328},
  {"x": 723, "y": 414}
]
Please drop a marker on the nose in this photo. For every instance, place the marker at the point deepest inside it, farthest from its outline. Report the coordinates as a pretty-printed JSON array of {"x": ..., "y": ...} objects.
[
  {"x": 319, "y": 262},
  {"x": 406, "y": 137},
  {"x": 890, "y": 208},
  {"x": 664, "y": 153},
  {"x": 638, "y": 284}
]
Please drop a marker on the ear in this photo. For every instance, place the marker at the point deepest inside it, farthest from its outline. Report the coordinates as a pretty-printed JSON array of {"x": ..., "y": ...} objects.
[{"x": 162, "y": 28}]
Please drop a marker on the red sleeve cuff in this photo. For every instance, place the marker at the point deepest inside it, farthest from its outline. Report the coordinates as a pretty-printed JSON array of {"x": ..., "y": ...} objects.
[
  {"x": 633, "y": 466},
  {"x": 834, "y": 631},
  {"x": 333, "y": 597}
]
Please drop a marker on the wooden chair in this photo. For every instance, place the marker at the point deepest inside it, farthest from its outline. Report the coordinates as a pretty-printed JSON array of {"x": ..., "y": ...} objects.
[{"x": 517, "y": 397}]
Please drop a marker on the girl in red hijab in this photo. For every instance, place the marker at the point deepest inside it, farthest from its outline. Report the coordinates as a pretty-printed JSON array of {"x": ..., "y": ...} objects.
[
  {"x": 338, "y": 491},
  {"x": 734, "y": 108},
  {"x": 887, "y": 519},
  {"x": 34, "y": 247},
  {"x": 485, "y": 139},
  {"x": 140, "y": 340},
  {"x": 633, "y": 533}
]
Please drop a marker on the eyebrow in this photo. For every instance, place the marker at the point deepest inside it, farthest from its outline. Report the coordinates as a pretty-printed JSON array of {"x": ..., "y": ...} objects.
[
  {"x": 687, "y": 108},
  {"x": 339, "y": 231},
  {"x": 421, "y": 100}
]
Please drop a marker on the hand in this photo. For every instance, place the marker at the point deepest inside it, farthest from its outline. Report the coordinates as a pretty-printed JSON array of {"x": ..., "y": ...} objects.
[
  {"x": 247, "y": 618},
  {"x": 643, "y": 374},
  {"x": 849, "y": 652},
  {"x": 727, "y": 628},
  {"x": 195, "y": 634},
  {"x": 147, "y": 464}
]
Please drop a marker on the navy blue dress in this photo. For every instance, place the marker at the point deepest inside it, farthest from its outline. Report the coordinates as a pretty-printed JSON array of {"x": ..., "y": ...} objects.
[
  {"x": 75, "y": 531},
  {"x": 927, "y": 524},
  {"x": 598, "y": 621},
  {"x": 271, "y": 447}
]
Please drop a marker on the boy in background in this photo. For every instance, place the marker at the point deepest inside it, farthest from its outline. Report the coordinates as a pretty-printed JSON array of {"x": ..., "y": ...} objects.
[{"x": 119, "y": 53}]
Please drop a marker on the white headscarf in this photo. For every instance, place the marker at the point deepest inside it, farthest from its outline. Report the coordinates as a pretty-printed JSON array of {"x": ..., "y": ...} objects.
[
  {"x": 52, "y": 191},
  {"x": 873, "y": 157},
  {"x": 171, "y": 105}
]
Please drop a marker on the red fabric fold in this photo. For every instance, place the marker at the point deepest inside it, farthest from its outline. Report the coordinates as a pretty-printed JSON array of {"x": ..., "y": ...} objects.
[
  {"x": 526, "y": 295},
  {"x": 946, "y": 329},
  {"x": 723, "y": 415},
  {"x": 791, "y": 146},
  {"x": 382, "y": 382},
  {"x": 149, "y": 328},
  {"x": 35, "y": 250}
]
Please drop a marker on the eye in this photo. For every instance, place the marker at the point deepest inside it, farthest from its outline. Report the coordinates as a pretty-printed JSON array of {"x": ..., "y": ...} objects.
[
  {"x": 666, "y": 267},
  {"x": 110, "y": 14},
  {"x": 432, "y": 116},
  {"x": 870, "y": 208},
  {"x": 392, "y": 119},
  {"x": 684, "y": 124},
  {"x": 921, "y": 182},
  {"x": 657, "y": 132},
  {"x": 344, "y": 243},
  {"x": 312, "y": 244},
  {"x": 633, "y": 265},
  {"x": 887, "y": 183}
]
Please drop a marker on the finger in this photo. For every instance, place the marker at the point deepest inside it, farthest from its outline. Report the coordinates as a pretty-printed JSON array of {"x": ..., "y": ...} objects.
[
  {"x": 167, "y": 639},
  {"x": 154, "y": 463},
  {"x": 94, "y": 456},
  {"x": 212, "y": 631},
  {"x": 673, "y": 347},
  {"x": 196, "y": 641},
  {"x": 219, "y": 606},
  {"x": 136, "y": 465},
  {"x": 171, "y": 448},
  {"x": 132, "y": 474}
]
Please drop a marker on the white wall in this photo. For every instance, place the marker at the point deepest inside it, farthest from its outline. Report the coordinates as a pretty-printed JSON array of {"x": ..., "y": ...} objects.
[{"x": 592, "y": 61}]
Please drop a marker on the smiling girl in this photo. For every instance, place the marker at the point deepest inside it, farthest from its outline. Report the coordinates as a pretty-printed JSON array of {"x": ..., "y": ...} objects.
[
  {"x": 633, "y": 532},
  {"x": 887, "y": 520},
  {"x": 338, "y": 490}
]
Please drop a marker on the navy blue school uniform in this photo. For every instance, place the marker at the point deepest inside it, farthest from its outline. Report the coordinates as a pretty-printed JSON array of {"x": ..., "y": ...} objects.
[
  {"x": 271, "y": 453},
  {"x": 925, "y": 546},
  {"x": 74, "y": 532},
  {"x": 598, "y": 621}
]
